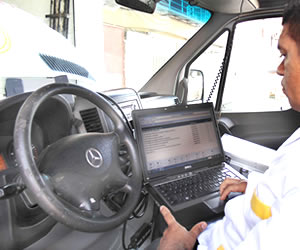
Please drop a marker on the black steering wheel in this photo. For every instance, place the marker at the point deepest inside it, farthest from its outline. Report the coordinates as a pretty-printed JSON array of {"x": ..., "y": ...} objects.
[{"x": 77, "y": 171}]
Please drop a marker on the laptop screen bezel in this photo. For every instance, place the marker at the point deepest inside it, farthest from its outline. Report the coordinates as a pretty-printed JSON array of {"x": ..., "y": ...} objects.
[{"x": 139, "y": 114}]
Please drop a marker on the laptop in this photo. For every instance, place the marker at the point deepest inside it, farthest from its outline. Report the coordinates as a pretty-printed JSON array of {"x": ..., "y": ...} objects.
[{"x": 180, "y": 145}]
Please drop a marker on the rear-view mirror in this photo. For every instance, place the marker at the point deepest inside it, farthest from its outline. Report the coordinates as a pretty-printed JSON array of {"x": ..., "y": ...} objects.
[{"x": 147, "y": 6}]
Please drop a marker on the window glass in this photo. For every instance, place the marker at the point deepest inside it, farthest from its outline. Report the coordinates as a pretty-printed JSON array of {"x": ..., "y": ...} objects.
[
  {"x": 252, "y": 84},
  {"x": 207, "y": 68}
]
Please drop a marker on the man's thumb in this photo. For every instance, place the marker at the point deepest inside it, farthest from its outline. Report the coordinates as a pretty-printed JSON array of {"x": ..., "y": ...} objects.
[{"x": 198, "y": 228}]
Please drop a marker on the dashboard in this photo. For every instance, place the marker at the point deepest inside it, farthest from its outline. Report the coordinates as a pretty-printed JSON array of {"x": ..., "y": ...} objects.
[
  {"x": 56, "y": 118},
  {"x": 64, "y": 115},
  {"x": 91, "y": 119}
]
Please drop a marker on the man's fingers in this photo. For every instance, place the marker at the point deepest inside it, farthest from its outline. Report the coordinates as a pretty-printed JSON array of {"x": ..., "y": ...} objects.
[
  {"x": 169, "y": 218},
  {"x": 198, "y": 228},
  {"x": 227, "y": 182},
  {"x": 235, "y": 187},
  {"x": 229, "y": 189},
  {"x": 225, "y": 193}
]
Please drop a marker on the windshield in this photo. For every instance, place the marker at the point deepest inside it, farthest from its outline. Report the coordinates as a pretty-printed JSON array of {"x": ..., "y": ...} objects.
[{"x": 116, "y": 47}]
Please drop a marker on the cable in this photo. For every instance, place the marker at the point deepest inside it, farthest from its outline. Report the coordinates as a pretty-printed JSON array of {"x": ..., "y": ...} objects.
[
  {"x": 143, "y": 232},
  {"x": 123, "y": 236},
  {"x": 142, "y": 206},
  {"x": 241, "y": 7},
  {"x": 226, "y": 57},
  {"x": 252, "y": 4},
  {"x": 216, "y": 81}
]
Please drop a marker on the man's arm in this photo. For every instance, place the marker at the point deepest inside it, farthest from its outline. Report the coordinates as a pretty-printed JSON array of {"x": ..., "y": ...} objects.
[{"x": 176, "y": 237}]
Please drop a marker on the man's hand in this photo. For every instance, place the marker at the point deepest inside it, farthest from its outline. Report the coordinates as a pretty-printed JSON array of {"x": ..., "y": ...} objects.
[
  {"x": 176, "y": 237},
  {"x": 232, "y": 185}
]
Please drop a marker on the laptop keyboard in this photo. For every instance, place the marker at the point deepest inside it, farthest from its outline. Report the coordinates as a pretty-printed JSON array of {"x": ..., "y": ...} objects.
[{"x": 191, "y": 186}]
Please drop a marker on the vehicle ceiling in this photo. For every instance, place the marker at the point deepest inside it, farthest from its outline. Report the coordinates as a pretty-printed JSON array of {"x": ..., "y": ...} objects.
[{"x": 237, "y": 6}]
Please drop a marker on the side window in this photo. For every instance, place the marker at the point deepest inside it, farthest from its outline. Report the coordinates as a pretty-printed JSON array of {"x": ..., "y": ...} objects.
[
  {"x": 252, "y": 84},
  {"x": 204, "y": 74}
]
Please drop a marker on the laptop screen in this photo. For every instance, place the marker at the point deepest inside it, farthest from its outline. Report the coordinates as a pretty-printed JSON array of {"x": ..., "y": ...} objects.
[{"x": 176, "y": 138}]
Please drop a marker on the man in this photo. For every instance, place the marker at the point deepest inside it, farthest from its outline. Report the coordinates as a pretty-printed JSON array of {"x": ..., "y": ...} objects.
[{"x": 267, "y": 216}]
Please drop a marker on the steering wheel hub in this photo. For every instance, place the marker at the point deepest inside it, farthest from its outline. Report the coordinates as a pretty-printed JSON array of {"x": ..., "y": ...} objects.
[{"x": 94, "y": 158}]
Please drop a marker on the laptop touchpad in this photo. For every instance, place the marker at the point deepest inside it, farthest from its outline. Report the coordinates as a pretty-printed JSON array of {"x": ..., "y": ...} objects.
[{"x": 215, "y": 204}]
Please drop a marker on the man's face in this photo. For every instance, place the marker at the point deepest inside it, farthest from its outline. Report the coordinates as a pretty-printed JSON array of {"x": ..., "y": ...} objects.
[{"x": 289, "y": 68}]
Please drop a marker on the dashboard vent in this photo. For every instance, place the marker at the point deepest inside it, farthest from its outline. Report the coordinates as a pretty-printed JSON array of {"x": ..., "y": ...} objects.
[{"x": 91, "y": 120}]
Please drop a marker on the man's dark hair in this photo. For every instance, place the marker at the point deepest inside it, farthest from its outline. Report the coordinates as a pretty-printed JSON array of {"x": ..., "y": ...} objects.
[{"x": 291, "y": 17}]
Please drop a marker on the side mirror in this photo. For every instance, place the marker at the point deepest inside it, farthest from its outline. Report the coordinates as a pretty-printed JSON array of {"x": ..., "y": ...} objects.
[
  {"x": 147, "y": 6},
  {"x": 196, "y": 85}
]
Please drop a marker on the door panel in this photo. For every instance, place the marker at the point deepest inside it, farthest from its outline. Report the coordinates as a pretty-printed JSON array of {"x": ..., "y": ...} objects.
[
  {"x": 252, "y": 103},
  {"x": 269, "y": 129}
]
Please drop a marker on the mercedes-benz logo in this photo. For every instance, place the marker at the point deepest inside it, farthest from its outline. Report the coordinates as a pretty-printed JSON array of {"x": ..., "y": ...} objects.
[{"x": 94, "y": 157}]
